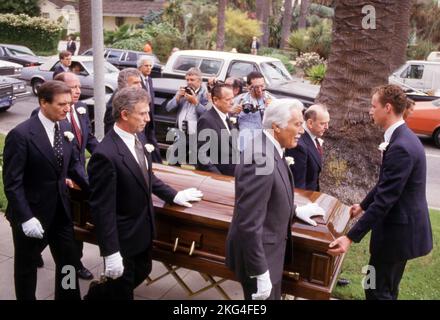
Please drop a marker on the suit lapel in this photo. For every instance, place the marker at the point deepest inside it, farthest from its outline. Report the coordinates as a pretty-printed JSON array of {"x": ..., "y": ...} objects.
[
  {"x": 67, "y": 145},
  {"x": 312, "y": 147},
  {"x": 41, "y": 141}
]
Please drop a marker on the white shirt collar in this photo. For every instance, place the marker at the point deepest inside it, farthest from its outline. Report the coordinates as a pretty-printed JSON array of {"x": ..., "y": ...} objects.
[
  {"x": 309, "y": 132},
  {"x": 277, "y": 145},
  {"x": 389, "y": 132},
  {"x": 48, "y": 125},
  {"x": 222, "y": 115},
  {"x": 127, "y": 137}
]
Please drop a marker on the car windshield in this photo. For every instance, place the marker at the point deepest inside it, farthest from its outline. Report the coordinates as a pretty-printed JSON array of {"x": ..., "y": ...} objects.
[
  {"x": 275, "y": 71},
  {"x": 20, "y": 51},
  {"x": 108, "y": 67}
]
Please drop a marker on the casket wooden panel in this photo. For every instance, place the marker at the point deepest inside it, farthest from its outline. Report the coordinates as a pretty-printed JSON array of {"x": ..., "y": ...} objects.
[{"x": 195, "y": 237}]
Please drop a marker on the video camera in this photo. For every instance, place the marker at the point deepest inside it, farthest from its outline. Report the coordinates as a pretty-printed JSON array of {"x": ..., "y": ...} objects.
[{"x": 249, "y": 107}]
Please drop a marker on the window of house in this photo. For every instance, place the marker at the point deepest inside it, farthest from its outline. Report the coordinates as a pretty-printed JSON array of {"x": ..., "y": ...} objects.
[
  {"x": 45, "y": 15},
  {"x": 119, "y": 21}
]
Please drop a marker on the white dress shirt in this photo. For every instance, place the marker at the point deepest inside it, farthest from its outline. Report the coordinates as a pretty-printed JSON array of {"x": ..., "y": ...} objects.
[
  {"x": 389, "y": 132},
  {"x": 129, "y": 140},
  {"x": 277, "y": 145},
  {"x": 49, "y": 126}
]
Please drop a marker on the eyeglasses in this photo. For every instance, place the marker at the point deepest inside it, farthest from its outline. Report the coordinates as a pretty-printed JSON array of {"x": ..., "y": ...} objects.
[{"x": 147, "y": 65}]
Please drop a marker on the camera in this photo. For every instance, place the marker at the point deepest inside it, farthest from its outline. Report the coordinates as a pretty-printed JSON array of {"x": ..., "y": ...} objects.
[
  {"x": 190, "y": 90},
  {"x": 248, "y": 107}
]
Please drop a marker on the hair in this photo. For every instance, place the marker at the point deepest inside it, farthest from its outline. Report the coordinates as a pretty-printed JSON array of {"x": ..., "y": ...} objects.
[
  {"x": 393, "y": 95},
  {"x": 50, "y": 89},
  {"x": 217, "y": 89},
  {"x": 125, "y": 74},
  {"x": 144, "y": 58},
  {"x": 63, "y": 54},
  {"x": 409, "y": 108},
  {"x": 63, "y": 75},
  {"x": 236, "y": 84},
  {"x": 253, "y": 75},
  {"x": 313, "y": 110},
  {"x": 126, "y": 99},
  {"x": 280, "y": 112},
  {"x": 194, "y": 72}
]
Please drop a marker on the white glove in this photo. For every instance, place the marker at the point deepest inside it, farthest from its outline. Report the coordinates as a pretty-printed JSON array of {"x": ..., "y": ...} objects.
[
  {"x": 113, "y": 266},
  {"x": 32, "y": 228},
  {"x": 191, "y": 194},
  {"x": 264, "y": 287},
  {"x": 309, "y": 210}
]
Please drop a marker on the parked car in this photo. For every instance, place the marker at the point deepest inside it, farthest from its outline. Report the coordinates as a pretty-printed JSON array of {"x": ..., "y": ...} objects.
[
  {"x": 18, "y": 86},
  {"x": 36, "y": 76},
  {"x": 122, "y": 59},
  {"x": 20, "y": 54},
  {"x": 6, "y": 96},
  {"x": 10, "y": 69},
  {"x": 425, "y": 119}
]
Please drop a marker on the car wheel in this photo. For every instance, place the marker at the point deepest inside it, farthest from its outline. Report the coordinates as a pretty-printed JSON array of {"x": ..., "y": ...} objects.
[
  {"x": 36, "y": 84},
  {"x": 436, "y": 137}
]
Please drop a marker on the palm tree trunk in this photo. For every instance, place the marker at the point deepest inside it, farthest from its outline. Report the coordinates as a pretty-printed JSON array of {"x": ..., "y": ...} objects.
[
  {"x": 221, "y": 24},
  {"x": 286, "y": 24},
  {"x": 85, "y": 25},
  {"x": 398, "y": 53},
  {"x": 359, "y": 60}
]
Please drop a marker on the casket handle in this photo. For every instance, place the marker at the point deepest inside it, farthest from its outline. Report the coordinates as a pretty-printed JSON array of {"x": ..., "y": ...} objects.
[
  {"x": 175, "y": 244},
  {"x": 191, "y": 250},
  {"x": 294, "y": 275}
]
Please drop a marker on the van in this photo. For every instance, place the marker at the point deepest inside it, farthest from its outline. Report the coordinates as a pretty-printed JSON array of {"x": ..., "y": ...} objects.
[{"x": 418, "y": 75}]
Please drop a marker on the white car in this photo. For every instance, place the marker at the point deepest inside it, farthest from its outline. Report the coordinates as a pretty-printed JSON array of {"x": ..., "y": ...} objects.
[
  {"x": 36, "y": 76},
  {"x": 10, "y": 69}
]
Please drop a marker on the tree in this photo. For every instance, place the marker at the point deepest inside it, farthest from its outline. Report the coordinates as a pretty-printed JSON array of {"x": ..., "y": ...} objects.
[
  {"x": 29, "y": 7},
  {"x": 263, "y": 13},
  {"x": 221, "y": 24},
  {"x": 85, "y": 25},
  {"x": 359, "y": 60},
  {"x": 287, "y": 22},
  {"x": 400, "y": 39},
  {"x": 303, "y": 13}
]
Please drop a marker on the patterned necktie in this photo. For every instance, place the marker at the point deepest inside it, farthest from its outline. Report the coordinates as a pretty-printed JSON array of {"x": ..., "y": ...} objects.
[
  {"x": 58, "y": 145},
  {"x": 76, "y": 129},
  {"x": 318, "y": 146},
  {"x": 140, "y": 155}
]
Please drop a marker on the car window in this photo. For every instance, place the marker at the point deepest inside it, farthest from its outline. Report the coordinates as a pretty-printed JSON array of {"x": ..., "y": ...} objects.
[
  {"x": 185, "y": 63},
  {"x": 20, "y": 51},
  {"x": 108, "y": 67},
  {"x": 275, "y": 71},
  {"x": 114, "y": 54},
  {"x": 211, "y": 67},
  {"x": 88, "y": 53},
  {"x": 414, "y": 71},
  {"x": 2, "y": 52},
  {"x": 131, "y": 56},
  {"x": 240, "y": 69}
]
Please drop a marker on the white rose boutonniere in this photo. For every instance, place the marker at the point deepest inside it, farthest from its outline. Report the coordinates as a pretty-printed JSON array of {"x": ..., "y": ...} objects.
[
  {"x": 69, "y": 135},
  {"x": 233, "y": 120},
  {"x": 290, "y": 161},
  {"x": 383, "y": 146},
  {"x": 321, "y": 142},
  {"x": 81, "y": 110},
  {"x": 149, "y": 147}
]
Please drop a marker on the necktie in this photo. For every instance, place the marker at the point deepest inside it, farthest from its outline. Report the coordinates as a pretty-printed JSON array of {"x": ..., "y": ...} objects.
[
  {"x": 76, "y": 129},
  {"x": 58, "y": 145},
  {"x": 147, "y": 85},
  {"x": 140, "y": 155},
  {"x": 318, "y": 146}
]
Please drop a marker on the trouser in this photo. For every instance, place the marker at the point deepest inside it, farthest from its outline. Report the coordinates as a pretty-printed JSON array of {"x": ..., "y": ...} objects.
[
  {"x": 387, "y": 280},
  {"x": 79, "y": 248},
  {"x": 59, "y": 237},
  {"x": 249, "y": 286}
]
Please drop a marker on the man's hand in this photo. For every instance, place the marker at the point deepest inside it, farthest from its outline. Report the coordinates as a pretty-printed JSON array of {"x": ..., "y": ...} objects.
[
  {"x": 180, "y": 93},
  {"x": 236, "y": 108},
  {"x": 264, "y": 287},
  {"x": 339, "y": 246},
  {"x": 309, "y": 210},
  {"x": 355, "y": 210},
  {"x": 114, "y": 268},
  {"x": 192, "y": 99},
  {"x": 32, "y": 228},
  {"x": 183, "y": 197}
]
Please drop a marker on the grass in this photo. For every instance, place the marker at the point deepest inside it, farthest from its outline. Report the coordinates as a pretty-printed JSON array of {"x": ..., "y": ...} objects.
[{"x": 421, "y": 280}]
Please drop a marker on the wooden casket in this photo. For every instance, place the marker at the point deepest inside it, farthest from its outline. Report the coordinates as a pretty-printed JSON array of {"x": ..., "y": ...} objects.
[{"x": 194, "y": 238}]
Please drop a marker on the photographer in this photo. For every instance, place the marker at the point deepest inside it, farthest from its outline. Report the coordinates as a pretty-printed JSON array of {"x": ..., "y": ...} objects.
[{"x": 253, "y": 104}]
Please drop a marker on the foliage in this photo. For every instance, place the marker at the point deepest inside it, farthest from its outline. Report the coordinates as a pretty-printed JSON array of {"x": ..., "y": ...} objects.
[
  {"x": 265, "y": 51},
  {"x": 316, "y": 73},
  {"x": 419, "y": 280},
  {"x": 239, "y": 30},
  {"x": 124, "y": 32},
  {"x": 424, "y": 19},
  {"x": 308, "y": 60},
  {"x": 29, "y": 7},
  {"x": 34, "y": 32},
  {"x": 285, "y": 60},
  {"x": 421, "y": 50}
]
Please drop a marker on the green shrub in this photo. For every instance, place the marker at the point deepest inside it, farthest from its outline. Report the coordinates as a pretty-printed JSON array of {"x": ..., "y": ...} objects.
[
  {"x": 316, "y": 38},
  {"x": 37, "y": 33},
  {"x": 316, "y": 73},
  {"x": 421, "y": 50},
  {"x": 284, "y": 59},
  {"x": 308, "y": 60}
]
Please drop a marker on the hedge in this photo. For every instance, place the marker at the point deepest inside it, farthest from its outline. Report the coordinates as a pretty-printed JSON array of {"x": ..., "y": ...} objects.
[{"x": 37, "y": 33}]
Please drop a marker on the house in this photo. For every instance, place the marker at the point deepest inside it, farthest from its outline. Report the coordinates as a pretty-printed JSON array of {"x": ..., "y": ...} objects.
[{"x": 64, "y": 11}]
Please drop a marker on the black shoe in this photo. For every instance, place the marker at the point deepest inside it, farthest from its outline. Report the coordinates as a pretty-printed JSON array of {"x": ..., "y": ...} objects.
[
  {"x": 343, "y": 282},
  {"x": 85, "y": 274},
  {"x": 40, "y": 262}
]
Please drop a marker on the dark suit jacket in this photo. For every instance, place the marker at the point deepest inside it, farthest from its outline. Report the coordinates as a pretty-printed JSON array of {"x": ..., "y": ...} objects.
[
  {"x": 121, "y": 201},
  {"x": 211, "y": 120},
  {"x": 308, "y": 163},
  {"x": 32, "y": 179},
  {"x": 396, "y": 210},
  {"x": 71, "y": 47},
  {"x": 264, "y": 208},
  {"x": 150, "y": 129},
  {"x": 59, "y": 69},
  {"x": 109, "y": 121}
]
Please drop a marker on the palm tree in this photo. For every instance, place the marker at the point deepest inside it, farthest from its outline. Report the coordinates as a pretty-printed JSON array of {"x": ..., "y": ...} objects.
[
  {"x": 359, "y": 60},
  {"x": 85, "y": 25},
  {"x": 287, "y": 22},
  {"x": 400, "y": 42},
  {"x": 221, "y": 24}
]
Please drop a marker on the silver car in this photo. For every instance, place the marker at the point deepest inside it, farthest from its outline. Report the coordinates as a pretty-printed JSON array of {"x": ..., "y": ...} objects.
[{"x": 36, "y": 76}]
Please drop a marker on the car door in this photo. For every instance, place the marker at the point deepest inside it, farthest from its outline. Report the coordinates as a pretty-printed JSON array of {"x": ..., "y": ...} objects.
[
  {"x": 240, "y": 69},
  {"x": 414, "y": 76}
]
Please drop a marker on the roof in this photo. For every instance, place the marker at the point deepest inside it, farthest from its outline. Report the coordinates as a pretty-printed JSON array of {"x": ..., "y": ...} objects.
[
  {"x": 223, "y": 55},
  {"x": 62, "y": 3},
  {"x": 130, "y": 8}
]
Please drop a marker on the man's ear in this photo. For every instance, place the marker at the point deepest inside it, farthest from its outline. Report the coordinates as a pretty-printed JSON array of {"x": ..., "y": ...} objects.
[
  {"x": 275, "y": 128},
  {"x": 124, "y": 114}
]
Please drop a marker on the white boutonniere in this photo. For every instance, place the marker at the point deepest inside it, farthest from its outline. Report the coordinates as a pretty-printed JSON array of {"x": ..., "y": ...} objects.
[
  {"x": 383, "y": 146},
  {"x": 81, "y": 110},
  {"x": 69, "y": 135},
  {"x": 149, "y": 147},
  {"x": 290, "y": 161},
  {"x": 233, "y": 120},
  {"x": 321, "y": 142}
]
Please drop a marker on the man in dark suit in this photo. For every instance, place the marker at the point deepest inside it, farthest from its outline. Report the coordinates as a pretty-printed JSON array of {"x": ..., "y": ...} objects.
[
  {"x": 71, "y": 45},
  {"x": 64, "y": 65},
  {"x": 218, "y": 157},
  {"x": 38, "y": 157},
  {"x": 122, "y": 183},
  {"x": 308, "y": 153},
  {"x": 259, "y": 238},
  {"x": 145, "y": 65},
  {"x": 395, "y": 210}
]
